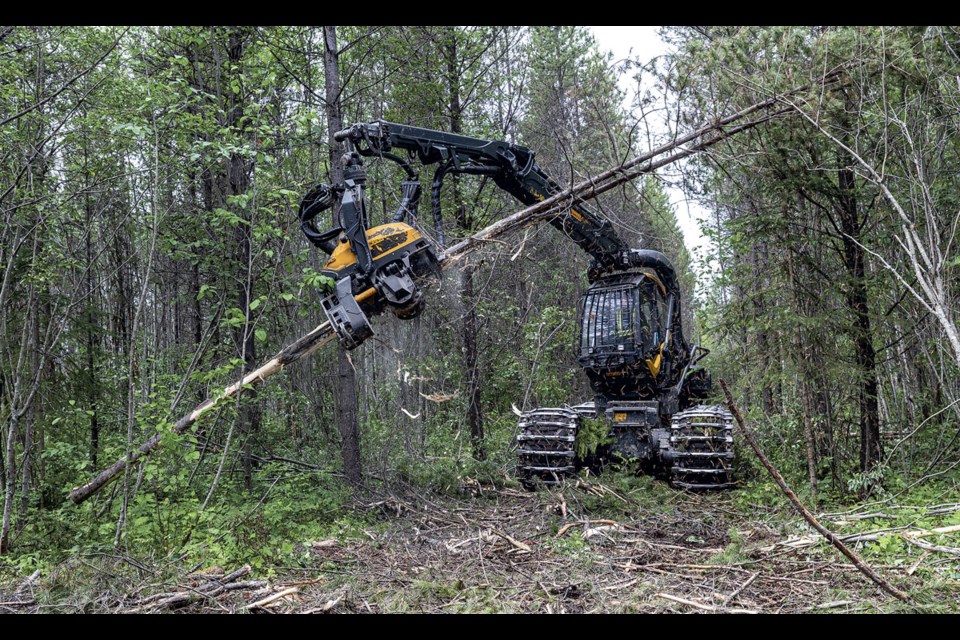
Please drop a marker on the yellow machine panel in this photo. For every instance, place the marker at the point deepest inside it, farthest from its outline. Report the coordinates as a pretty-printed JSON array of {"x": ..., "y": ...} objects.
[{"x": 383, "y": 240}]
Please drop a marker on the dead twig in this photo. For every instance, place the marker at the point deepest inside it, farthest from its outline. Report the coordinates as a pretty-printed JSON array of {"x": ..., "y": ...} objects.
[
  {"x": 29, "y": 581},
  {"x": 704, "y": 607},
  {"x": 330, "y": 604},
  {"x": 274, "y": 597},
  {"x": 516, "y": 543},
  {"x": 831, "y": 605},
  {"x": 563, "y": 530},
  {"x": 18, "y": 603},
  {"x": 739, "y": 589},
  {"x": 931, "y": 547},
  {"x": 215, "y": 586}
]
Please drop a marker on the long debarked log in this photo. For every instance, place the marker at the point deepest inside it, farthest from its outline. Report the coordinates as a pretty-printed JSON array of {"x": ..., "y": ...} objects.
[
  {"x": 696, "y": 141},
  {"x": 298, "y": 350},
  {"x": 557, "y": 204},
  {"x": 601, "y": 183}
]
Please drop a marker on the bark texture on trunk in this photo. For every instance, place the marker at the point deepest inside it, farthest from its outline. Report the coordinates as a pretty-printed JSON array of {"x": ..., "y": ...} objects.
[
  {"x": 468, "y": 298},
  {"x": 348, "y": 420},
  {"x": 858, "y": 302},
  {"x": 239, "y": 184}
]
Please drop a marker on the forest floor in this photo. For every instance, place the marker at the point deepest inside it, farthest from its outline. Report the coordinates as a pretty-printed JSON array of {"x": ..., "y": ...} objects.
[{"x": 584, "y": 547}]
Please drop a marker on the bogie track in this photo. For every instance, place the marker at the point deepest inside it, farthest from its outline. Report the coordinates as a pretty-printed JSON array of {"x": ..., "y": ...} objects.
[
  {"x": 696, "y": 453},
  {"x": 700, "y": 448},
  {"x": 546, "y": 449}
]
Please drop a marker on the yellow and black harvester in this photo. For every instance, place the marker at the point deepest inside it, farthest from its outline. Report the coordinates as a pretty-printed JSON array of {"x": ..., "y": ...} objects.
[{"x": 632, "y": 347}]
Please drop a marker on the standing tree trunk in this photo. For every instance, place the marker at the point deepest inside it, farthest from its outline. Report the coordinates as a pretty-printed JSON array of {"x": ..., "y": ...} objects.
[
  {"x": 29, "y": 422},
  {"x": 92, "y": 337},
  {"x": 857, "y": 301},
  {"x": 10, "y": 482},
  {"x": 802, "y": 358},
  {"x": 468, "y": 298},
  {"x": 26, "y": 382},
  {"x": 347, "y": 420},
  {"x": 239, "y": 184}
]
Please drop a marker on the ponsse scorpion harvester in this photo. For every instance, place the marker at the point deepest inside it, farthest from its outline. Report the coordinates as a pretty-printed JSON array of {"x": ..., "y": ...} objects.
[{"x": 632, "y": 348}]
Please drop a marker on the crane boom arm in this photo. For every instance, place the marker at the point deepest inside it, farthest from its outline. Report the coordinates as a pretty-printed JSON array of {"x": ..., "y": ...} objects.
[{"x": 512, "y": 167}]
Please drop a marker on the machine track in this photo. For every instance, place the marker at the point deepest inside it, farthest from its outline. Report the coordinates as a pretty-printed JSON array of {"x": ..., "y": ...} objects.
[
  {"x": 546, "y": 446},
  {"x": 700, "y": 448}
]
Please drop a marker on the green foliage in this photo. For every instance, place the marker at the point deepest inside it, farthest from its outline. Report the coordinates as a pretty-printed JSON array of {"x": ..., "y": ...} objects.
[
  {"x": 546, "y": 343},
  {"x": 590, "y": 435},
  {"x": 732, "y": 553},
  {"x": 868, "y": 480},
  {"x": 315, "y": 280},
  {"x": 795, "y": 324},
  {"x": 571, "y": 545}
]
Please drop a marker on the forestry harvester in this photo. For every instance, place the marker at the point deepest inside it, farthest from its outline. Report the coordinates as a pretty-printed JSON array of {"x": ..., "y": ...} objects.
[{"x": 641, "y": 368}]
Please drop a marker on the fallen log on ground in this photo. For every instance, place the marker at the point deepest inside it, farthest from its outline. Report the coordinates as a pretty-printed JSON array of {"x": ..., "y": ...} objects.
[
  {"x": 663, "y": 155},
  {"x": 208, "y": 590},
  {"x": 857, "y": 561},
  {"x": 800, "y": 542}
]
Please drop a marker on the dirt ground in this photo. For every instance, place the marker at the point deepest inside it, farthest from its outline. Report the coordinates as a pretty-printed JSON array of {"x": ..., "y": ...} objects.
[
  {"x": 582, "y": 548},
  {"x": 512, "y": 551}
]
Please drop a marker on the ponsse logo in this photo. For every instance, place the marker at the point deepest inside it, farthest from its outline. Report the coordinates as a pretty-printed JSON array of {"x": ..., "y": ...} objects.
[{"x": 382, "y": 232}]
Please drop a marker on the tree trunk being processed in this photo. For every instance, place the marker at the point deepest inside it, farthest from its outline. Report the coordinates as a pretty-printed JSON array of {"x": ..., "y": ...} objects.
[{"x": 321, "y": 335}]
